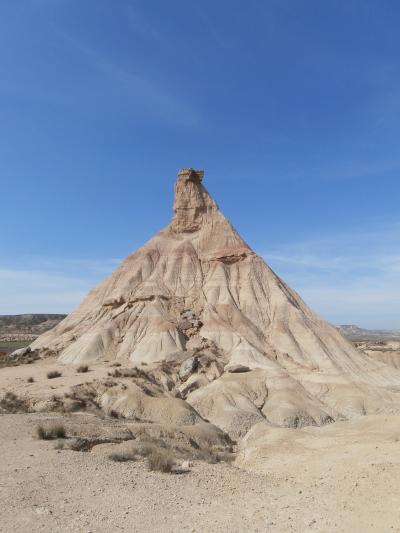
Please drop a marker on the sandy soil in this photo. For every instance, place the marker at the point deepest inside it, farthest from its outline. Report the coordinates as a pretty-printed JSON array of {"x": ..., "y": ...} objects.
[
  {"x": 343, "y": 477},
  {"x": 43, "y": 489},
  {"x": 15, "y": 378}
]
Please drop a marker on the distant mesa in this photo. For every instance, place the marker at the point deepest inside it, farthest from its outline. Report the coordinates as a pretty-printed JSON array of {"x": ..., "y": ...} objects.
[
  {"x": 353, "y": 332},
  {"x": 28, "y": 325}
]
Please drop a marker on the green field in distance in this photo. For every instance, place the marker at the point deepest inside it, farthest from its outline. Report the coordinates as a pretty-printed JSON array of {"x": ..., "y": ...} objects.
[{"x": 14, "y": 344}]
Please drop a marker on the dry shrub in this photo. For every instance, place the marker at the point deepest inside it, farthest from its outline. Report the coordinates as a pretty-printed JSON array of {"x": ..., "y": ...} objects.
[
  {"x": 76, "y": 444},
  {"x": 85, "y": 394},
  {"x": 213, "y": 456},
  {"x": 11, "y": 403},
  {"x": 109, "y": 383},
  {"x": 160, "y": 460},
  {"x": 12, "y": 359},
  {"x": 123, "y": 373},
  {"x": 207, "y": 455},
  {"x": 122, "y": 457},
  {"x": 159, "y": 455},
  {"x": 134, "y": 372},
  {"x": 55, "y": 404},
  {"x": 205, "y": 451},
  {"x": 82, "y": 369},
  {"x": 147, "y": 444},
  {"x": 51, "y": 432},
  {"x": 30, "y": 380},
  {"x": 167, "y": 366},
  {"x": 72, "y": 406},
  {"x": 115, "y": 373},
  {"x": 53, "y": 374},
  {"x": 80, "y": 444},
  {"x": 152, "y": 447}
]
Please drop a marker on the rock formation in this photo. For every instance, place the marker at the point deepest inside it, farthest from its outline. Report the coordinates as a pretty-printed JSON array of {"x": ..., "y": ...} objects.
[{"x": 243, "y": 347}]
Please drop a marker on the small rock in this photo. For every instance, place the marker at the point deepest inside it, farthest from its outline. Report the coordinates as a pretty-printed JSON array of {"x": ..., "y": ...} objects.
[
  {"x": 188, "y": 367},
  {"x": 235, "y": 369},
  {"x": 43, "y": 511}
]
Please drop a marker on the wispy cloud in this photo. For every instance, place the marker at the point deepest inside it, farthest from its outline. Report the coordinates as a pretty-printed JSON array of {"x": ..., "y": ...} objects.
[
  {"x": 212, "y": 29},
  {"x": 139, "y": 93},
  {"x": 50, "y": 285},
  {"x": 347, "y": 278},
  {"x": 140, "y": 25},
  {"x": 97, "y": 78},
  {"x": 359, "y": 168}
]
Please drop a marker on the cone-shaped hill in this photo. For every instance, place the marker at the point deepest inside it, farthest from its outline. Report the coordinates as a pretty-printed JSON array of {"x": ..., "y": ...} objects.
[{"x": 244, "y": 346}]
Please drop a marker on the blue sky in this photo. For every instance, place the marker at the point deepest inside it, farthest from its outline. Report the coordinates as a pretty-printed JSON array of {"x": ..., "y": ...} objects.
[{"x": 291, "y": 107}]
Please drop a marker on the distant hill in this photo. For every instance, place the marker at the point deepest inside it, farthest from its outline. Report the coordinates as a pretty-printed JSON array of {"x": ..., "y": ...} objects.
[
  {"x": 32, "y": 324},
  {"x": 37, "y": 323},
  {"x": 353, "y": 332}
]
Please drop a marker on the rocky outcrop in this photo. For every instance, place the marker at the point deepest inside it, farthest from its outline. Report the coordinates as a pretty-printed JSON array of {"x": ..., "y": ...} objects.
[{"x": 246, "y": 347}]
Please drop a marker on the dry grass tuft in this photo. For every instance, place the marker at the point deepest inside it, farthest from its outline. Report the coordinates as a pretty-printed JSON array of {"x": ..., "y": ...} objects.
[
  {"x": 85, "y": 394},
  {"x": 160, "y": 460},
  {"x": 82, "y": 369},
  {"x": 53, "y": 374},
  {"x": 76, "y": 444},
  {"x": 122, "y": 457},
  {"x": 134, "y": 372},
  {"x": 123, "y": 373},
  {"x": 211, "y": 455},
  {"x": 159, "y": 455},
  {"x": 80, "y": 444},
  {"x": 72, "y": 406},
  {"x": 11, "y": 403},
  {"x": 115, "y": 373},
  {"x": 59, "y": 444},
  {"x": 51, "y": 432}
]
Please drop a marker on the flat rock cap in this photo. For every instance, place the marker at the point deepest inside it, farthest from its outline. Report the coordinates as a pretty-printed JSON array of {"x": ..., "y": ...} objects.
[{"x": 191, "y": 174}]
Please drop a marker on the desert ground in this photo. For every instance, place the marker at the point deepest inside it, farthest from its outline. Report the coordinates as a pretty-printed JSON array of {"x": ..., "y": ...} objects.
[
  {"x": 340, "y": 477},
  {"x": 344, "y": 484}
]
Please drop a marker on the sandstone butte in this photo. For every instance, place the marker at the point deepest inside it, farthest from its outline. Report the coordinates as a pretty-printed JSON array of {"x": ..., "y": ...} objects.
[{"x": 233, "y": 344}]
